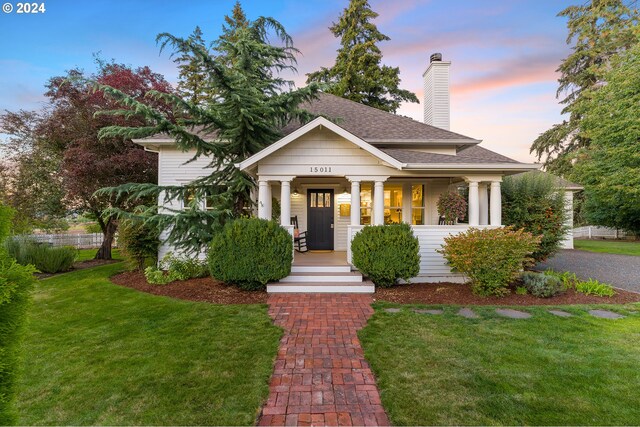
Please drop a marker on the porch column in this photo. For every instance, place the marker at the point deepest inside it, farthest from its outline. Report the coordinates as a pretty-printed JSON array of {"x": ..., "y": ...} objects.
[
  {"x": 496, "y": 203},
  {"x": 406, "y": 202},
  {"x": 474, "y": 208},
  {"x": 378, "y": 202},
  {"x": 484, "y": 203},
  {"x": 264, "y": 199},
  {"x": 285, "y": 203},
  {"x": 355, "y": 202}
]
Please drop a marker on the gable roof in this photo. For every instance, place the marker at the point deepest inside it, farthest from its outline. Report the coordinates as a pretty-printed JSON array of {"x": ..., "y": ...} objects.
[
  {"x": 366, "y": 123},
  {"x": 315, "y": 123},
  {"x": 377, "y": 126}
]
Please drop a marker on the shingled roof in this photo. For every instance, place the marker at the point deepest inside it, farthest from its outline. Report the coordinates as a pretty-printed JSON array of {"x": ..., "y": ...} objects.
[
  {"x": 374, "y": 125},
  {"x": 469, "y": 154}
]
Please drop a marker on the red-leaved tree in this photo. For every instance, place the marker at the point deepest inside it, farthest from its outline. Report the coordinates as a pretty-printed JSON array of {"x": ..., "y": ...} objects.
[{"x": 90, "y": 163}]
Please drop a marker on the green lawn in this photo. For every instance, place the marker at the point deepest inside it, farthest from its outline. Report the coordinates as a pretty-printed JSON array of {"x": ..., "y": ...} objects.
[
  {"x": 444, "y": 369},
  {"x": 608, "y": 246},
  {"x": 87, "y": 254},
  {"x": 97, "y": 353}
]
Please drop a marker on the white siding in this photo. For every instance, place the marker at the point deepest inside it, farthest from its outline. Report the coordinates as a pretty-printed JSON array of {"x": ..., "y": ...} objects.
[{"x": 436, "y": 94}]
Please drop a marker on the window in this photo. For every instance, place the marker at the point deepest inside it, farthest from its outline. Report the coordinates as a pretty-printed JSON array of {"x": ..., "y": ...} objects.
[
  {"x": 189, "y": 197},
  {"x": 365, "y": 204},
  {"x": 417, "y": 204},
  {"x": 212, "y": 196},
  {"x": 393, "y": 204},
  {"x": 319, "y": 199}
]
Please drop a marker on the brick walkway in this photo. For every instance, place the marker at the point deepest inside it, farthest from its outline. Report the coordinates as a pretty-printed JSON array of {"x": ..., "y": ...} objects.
[{"x": 321, "y": 376}]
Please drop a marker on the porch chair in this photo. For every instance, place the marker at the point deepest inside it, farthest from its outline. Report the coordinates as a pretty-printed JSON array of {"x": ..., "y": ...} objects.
[{"x": 299, "y": 238}]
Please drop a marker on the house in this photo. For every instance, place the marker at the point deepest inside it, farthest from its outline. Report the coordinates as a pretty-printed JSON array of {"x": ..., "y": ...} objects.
[{"x": 364, "y": 166}]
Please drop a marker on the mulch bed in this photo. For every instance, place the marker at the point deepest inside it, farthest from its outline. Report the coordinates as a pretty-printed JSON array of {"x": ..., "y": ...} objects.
[
  {"x": 458, "y": 294},
  {"x": 212, "y": 291},
  {"x": 80, "y": 265},
  {"x": 203, "y": 290}
]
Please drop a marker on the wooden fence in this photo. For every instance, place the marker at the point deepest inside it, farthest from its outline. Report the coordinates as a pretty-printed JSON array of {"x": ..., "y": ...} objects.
[{"x": 596, "y": 232}]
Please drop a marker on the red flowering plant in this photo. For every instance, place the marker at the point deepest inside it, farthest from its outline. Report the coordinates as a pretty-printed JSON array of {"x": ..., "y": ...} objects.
[{"x": 451, "y": 206}]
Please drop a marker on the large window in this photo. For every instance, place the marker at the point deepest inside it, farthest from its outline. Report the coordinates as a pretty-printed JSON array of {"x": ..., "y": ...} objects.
[
  {"x": 393, "y": 204},
  {"x": 417, "y": 204},
  {"x": 366, "y": 200}
]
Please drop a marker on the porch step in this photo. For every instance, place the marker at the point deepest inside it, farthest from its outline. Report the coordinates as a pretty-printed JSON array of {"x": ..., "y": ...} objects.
[
  {"x": 323, "y": 277},
  {"x": 366, "y": 287},
  {"x": 321, "y": 269}
]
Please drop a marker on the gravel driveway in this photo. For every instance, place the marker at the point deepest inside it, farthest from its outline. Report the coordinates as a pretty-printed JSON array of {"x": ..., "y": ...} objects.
[{"x": 622, "y": 271}]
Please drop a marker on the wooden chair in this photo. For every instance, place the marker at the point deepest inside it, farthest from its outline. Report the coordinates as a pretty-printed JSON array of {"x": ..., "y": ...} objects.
[{"x": 299, "y": 238}]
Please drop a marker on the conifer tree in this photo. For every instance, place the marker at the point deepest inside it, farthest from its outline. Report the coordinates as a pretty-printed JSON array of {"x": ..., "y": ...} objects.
[
  {"x": 192, "y": 83},
  {"x": 358, "y": 73},
  {"x": 600, "y": 29},
  {"x": 252, "y": 104}
]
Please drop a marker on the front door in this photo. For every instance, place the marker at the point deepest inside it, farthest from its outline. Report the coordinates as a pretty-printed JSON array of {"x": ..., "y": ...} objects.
[{"x": 320, "y": 219}]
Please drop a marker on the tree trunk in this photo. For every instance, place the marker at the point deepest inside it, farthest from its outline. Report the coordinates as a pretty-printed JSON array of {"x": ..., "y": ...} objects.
[{"x": 109, "y": 232}]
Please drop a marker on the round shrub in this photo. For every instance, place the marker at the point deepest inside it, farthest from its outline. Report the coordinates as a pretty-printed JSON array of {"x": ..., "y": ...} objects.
[
  {"x": 138, "y": 242},
  {"x": 386, "y": 253},
  {"x": 490, "y": 258},
  {"x": 542, "y": 285},
  {"x": 250, "y": 252}
]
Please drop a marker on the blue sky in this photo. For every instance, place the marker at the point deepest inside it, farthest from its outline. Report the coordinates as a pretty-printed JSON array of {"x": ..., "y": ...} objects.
[{"x": 504, "y": 53}]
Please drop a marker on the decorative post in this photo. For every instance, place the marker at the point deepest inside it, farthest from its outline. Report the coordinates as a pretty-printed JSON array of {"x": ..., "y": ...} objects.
[
  {"x": 355, "y": 202},
  {"x": 264, "y": 199},
  {"x": 484, "y": 203},
  {"x": 285, "y": 203},
  {"x": 496, "y": 203},
  {"x": 378, "y": 203},
  {"x": 474, "y": 208}
]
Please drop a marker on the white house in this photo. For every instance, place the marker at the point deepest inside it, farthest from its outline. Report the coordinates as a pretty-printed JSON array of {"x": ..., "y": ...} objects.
[{"x": 364, "y": 166}]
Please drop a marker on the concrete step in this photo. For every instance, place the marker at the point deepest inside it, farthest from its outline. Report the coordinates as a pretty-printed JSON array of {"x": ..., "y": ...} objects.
[
  {"x": 321, "y": 269},
  {"x": 351, "y": 277},
  {"x": 366, "y": 287}
]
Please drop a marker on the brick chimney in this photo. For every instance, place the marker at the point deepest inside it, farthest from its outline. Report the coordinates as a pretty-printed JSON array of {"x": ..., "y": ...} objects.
[{"x": 436, "y": 92}]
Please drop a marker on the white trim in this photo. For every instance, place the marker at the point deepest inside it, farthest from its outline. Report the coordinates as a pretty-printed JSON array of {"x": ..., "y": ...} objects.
[
  {"x": 317, "y": 122},
  {"x": 470, "y": 141},
  {"x": 466, "y": 166}
]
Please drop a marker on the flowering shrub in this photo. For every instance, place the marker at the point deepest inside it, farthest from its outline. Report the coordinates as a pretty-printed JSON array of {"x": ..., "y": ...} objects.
[
  {"x": 452, "y": 206},
  {"x": 490, "y": 258}
]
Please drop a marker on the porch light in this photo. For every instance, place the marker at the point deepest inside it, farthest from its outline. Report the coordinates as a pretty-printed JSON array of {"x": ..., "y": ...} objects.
[{"x": 295, "y": 192}]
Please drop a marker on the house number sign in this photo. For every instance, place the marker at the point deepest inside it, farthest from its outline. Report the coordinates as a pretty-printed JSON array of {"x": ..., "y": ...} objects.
[{"x": 320, "y": 169}]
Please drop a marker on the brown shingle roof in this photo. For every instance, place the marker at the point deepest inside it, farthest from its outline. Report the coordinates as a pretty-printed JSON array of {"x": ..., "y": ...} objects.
[
  {"x": 373, "y": 125},
  {"x": 469, "y": 154}
]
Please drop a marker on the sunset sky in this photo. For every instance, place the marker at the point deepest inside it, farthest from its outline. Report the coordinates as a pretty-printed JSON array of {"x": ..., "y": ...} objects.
[{"x": 504, "y": 53}]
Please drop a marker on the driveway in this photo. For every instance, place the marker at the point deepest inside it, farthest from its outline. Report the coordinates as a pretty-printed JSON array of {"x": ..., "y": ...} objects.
[{"x": 622, "y": 271}]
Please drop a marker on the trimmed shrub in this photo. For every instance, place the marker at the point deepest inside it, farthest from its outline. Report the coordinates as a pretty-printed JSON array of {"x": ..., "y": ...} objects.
[
  {"x": 16, "y": 282},
  {"x": 386, "y": 253},
  {"x": 594, "y": 287},
  {"x": 490, "y": 258},
  {"x": 542, "y": 285},
  {"x": 452, "y": 206},
  {"x": 532, "y": 201},
  {"x": 250, "y": 252},
  {"x": 138, "y": 242}
]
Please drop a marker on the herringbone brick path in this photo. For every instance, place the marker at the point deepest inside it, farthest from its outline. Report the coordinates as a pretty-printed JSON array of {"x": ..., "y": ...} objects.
[{"x": 321, "y": 376}]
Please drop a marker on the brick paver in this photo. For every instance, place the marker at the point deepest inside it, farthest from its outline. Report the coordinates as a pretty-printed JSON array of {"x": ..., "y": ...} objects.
[{"x": 320, "y": 375}]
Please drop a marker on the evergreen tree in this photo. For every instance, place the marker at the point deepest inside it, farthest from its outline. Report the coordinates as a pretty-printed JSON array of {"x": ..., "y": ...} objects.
[
  {"x": 192, "y": 83},
  {"x": 358, "y": 74},
  {"x": 252, "y": 103},
  {"x": 601, "y": 29}
]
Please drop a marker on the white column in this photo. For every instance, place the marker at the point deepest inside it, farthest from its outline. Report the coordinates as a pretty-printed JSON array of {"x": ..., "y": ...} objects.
[
  {"x": 406, "y": 203},
  {"x": 496, "y": 203},
  {"x": 474, "y": 208},
  {"x": 285, "y": 203},
  {"x": 355, "y": 202},
  {"x": 484, "y": 203},
  {"x": 264, "y": 199},
  {"x": 378, "y": 203}
]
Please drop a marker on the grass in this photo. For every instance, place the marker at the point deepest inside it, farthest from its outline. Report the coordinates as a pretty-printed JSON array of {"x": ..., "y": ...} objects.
[
  {"x": 97, "y": 353},
  {"x": 444, "y": 369},
  {"x": 88, "y": 254},
  {"x": 608, "y": 246}
]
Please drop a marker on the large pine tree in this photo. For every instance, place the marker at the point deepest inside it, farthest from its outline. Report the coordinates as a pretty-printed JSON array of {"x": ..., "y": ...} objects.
[
  {"x": 251, "y": 105},
  {"x": 600, "y": 29},
  {"x": 358, "y": 73},
  {"x": 192, "y": 82}
]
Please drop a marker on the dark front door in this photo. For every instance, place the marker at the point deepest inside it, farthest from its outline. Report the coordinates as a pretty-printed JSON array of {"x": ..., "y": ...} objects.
[{"x": 320, "y": 219}]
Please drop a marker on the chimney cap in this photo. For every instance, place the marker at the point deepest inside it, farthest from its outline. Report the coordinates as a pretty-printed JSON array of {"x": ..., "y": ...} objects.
[{"x": 436, "y": 57}]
